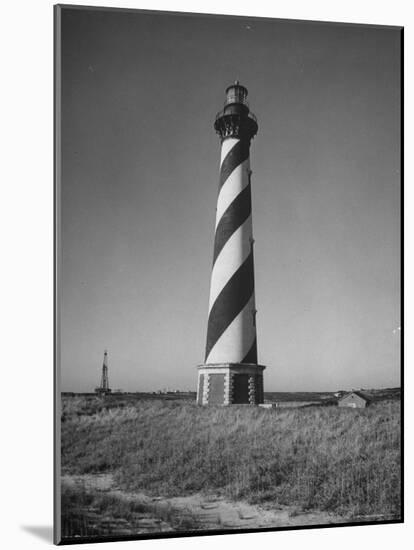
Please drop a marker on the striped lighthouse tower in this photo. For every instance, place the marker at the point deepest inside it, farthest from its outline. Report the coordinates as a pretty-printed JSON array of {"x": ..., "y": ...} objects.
[{"x": 230, "y": 373}]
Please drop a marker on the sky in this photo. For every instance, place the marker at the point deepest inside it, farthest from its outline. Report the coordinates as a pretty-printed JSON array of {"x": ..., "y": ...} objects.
[{"x": 140, "y": 165}]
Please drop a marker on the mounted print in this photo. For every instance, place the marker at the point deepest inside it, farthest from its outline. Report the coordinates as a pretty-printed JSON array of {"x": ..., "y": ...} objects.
[{"x": 228, "y": 274}]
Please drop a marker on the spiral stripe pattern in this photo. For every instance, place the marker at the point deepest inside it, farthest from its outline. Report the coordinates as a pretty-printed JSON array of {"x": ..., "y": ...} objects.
[{"x": 231, "y": 332}]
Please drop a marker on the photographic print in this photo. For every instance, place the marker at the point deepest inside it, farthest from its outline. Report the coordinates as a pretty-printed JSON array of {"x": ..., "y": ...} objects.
[{"x": 228, "y": 316}]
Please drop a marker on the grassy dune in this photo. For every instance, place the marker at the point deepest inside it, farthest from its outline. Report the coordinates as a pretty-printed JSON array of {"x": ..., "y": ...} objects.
[
  {"x": 88, "y": 513},
  {"x": 325, "y": 458}
]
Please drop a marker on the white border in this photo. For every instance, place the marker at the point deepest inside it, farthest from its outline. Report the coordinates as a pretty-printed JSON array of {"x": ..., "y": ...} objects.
[{"x": 26, "y": 274}]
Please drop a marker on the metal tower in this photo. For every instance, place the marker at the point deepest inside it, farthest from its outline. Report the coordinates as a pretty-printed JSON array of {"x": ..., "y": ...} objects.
[
  {"x": 104, "y": 387},
  {"x": 230, "y": 373}
]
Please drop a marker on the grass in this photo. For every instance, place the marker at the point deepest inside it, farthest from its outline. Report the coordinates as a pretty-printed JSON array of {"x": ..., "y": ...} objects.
[
  {"x": 88, "y": 513},
  {"x": 315, "y": 458}
]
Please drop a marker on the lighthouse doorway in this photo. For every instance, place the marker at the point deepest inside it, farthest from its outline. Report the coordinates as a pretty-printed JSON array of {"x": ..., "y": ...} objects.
[
  {"x": 241, "y": 389},
  {"x": 216, "y": 389}
]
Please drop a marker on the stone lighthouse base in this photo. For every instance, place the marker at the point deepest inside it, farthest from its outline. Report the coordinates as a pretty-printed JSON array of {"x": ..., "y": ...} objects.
[{"x": 230, "y": 384}]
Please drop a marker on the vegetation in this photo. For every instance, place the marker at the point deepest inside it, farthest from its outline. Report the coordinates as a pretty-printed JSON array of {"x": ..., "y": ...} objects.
[
  {"x": 327, "y": 458},
  {"x": 88, "y": 513}
]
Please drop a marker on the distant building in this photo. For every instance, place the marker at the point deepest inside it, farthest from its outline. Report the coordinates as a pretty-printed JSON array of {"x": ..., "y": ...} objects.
[{"x": 354, "y": 400}]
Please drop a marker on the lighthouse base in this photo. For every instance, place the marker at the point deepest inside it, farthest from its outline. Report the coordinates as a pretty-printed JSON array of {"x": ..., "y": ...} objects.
[{"x": 230, "y": 384}]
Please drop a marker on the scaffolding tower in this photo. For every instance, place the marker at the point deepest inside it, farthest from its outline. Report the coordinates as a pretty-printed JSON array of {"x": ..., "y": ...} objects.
[{"x": 104, "y": 388}]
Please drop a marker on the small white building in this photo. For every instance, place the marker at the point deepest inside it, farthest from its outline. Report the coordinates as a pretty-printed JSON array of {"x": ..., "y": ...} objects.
[{"x": 354, "y": 400}]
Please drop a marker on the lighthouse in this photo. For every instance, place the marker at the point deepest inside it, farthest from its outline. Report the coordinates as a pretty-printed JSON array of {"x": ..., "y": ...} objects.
[{"x": 230, "y": 373}]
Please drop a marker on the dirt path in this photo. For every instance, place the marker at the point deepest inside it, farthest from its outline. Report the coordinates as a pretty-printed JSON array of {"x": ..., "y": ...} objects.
[{"x": 210, "y": 512}]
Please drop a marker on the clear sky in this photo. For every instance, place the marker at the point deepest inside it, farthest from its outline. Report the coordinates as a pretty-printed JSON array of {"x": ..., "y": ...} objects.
[{"x": 139, "y": 187}]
